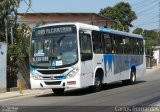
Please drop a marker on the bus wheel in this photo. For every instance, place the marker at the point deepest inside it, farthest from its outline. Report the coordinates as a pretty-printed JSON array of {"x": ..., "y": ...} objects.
[
  {"x": 58, "y": 91},
  {"x": 97, "y": 84},
  {"x": 132, "y": 79}
]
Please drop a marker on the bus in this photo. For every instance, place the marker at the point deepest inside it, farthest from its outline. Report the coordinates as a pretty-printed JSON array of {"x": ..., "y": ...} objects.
[{"x": 78, "y": 55}]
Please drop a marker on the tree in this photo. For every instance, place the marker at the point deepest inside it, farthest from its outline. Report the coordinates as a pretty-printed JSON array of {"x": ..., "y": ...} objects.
[
  {"x": 122, "y": 14},
  {"x": 152, "y": 37},
  {"x": 7, "y": 7},
  {"x": 8, "y": 10},
  {"x": 138, "y": 31},
  {"x": 17, "y": 37}
]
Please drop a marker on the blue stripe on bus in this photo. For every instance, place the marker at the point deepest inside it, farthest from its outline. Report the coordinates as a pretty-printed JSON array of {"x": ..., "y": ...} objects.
[
  {"x": 59, "y": 78},
  {"x": 125, "y": 62},
  {"x": 120, "y": 62},
  {"x": 32, "y": 69},
  {"x": 104, "y": 29},
  {"x": 35, "y": 27},
  {"x": 108, "y": 59}
]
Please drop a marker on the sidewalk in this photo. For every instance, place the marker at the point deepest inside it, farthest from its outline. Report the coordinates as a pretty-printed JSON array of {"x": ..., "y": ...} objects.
[
  {"x": 149, "y": 70},
  {"x": 28, "y": 92}
]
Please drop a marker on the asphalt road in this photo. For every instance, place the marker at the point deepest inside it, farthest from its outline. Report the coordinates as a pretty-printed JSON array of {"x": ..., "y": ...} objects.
[{"x": 145, "y": 92}]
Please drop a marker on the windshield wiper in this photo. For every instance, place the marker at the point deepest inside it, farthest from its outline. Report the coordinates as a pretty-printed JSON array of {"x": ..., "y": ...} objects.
[{"x": 61, "y": 39}]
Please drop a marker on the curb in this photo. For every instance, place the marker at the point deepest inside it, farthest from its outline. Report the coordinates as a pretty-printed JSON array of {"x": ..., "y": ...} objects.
[
  {"x": 26, "y": 93},
  {"x": 9, "y": 97}
]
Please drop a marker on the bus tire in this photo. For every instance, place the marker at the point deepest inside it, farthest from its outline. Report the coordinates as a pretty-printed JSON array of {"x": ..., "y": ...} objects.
[
  {"x": 132, "y": 79},
  {"x": 58, "y": 91},
  {"x": 97, "y": 84}
]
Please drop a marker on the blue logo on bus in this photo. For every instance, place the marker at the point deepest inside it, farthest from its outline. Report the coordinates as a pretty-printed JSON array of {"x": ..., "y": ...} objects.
[{"x": 53, "y": 63}]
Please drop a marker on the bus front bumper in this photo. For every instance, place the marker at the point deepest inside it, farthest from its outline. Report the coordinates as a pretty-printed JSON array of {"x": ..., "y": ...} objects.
[{"x": 65, "y": 83}]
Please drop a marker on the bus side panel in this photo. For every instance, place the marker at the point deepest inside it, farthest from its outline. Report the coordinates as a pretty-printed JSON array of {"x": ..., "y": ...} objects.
[
  {"x": 105, "y": 62},
  {"x": 86, "y": 77},
  {"x": 141, "y": 68},
  {"x": 123, "y": 64},
  {"x": 118, "y": 67}
]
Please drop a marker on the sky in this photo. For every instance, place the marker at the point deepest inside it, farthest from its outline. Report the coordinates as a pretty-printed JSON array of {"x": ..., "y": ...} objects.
[{"x": 147, "y": 11}]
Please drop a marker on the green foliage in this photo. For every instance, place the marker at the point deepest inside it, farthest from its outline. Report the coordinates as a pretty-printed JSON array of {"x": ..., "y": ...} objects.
[
  {"x": 7, "y": 7},
  {"x": 16, "y": 37},
  {"x": 152, "y": 37},
  {"x": 138, "y": 31},
  {"x": 122, "y": 14},
  {"x": 20, "y": 47}
]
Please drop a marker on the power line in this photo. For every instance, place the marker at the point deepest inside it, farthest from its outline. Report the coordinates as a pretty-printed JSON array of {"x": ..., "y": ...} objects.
[
  {"x": 153, "y": 17},
  {"x": 33, "y": 11},
  {"x": 143, "y": 4},
  {"x": 148, "y": 13},
  {"x": 149, "y": 8},
  {"x": 146, "y": 23},
  {"x": 139, "y": 2}
]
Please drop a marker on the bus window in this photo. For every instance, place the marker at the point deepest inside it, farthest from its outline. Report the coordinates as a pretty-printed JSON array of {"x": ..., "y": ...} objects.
[
  {"x": 141, "y": 46},
  {"x": 127, "y": 46},
  {"x": 107, "y": 43},
  {"x": 97, "y": 42},
  {"x": 133, "y": 46},
  {"x": 118, "y": 44},
  {"x": 136, "y": 46},
  {"x": 85, "y": 46}
]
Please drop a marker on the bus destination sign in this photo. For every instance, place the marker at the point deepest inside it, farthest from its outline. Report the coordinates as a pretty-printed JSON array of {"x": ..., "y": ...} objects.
[{"x": 54, "y": 30}]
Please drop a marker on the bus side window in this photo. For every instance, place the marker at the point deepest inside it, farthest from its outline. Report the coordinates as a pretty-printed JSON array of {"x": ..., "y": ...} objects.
[
  {"x": 85, "y": 46},
  {"x": 118, "y": 44},
  {"x": 107, "y": 43},
  {"x": 127, "y": 46},
  {"x": 136, "y": 46},
  {"x": 97, "y": 42},
  {"x": 141, "y": 46}
]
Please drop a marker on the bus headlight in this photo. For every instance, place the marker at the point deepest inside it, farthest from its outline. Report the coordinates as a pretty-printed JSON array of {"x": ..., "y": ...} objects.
[
  {"x": 35, "y": 76},
  {"x": 73, "y": 73}
]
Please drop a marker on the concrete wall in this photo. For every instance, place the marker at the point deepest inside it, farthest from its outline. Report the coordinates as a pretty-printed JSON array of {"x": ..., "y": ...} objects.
[
  {"x": 156, "y": 55},
  {"x": 3, "y": 66}
]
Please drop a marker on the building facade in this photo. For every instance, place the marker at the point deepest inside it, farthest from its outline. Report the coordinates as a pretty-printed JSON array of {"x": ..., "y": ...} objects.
[{"x": 33, "y": 19}]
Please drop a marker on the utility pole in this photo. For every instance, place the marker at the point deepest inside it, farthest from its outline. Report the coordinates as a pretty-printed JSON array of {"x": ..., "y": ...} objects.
[
  {"x": 159, "y": 17},
  {"x": 12, "y": 35},
  {"x": 159, "y": 30},
  {"x": 6, "y": 30}
]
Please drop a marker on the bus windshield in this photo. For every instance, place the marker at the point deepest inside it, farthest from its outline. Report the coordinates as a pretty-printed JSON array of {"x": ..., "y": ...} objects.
[{"x": 54, "y": 50}]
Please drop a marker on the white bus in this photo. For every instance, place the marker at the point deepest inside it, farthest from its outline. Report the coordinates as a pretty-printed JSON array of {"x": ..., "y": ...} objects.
[{"x": 77, "y": 55}]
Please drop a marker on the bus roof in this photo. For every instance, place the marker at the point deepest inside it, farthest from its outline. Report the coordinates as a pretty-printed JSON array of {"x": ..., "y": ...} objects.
[
  {"x": 93, "y": 27},
  {"x": 120, "y": 32}
]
